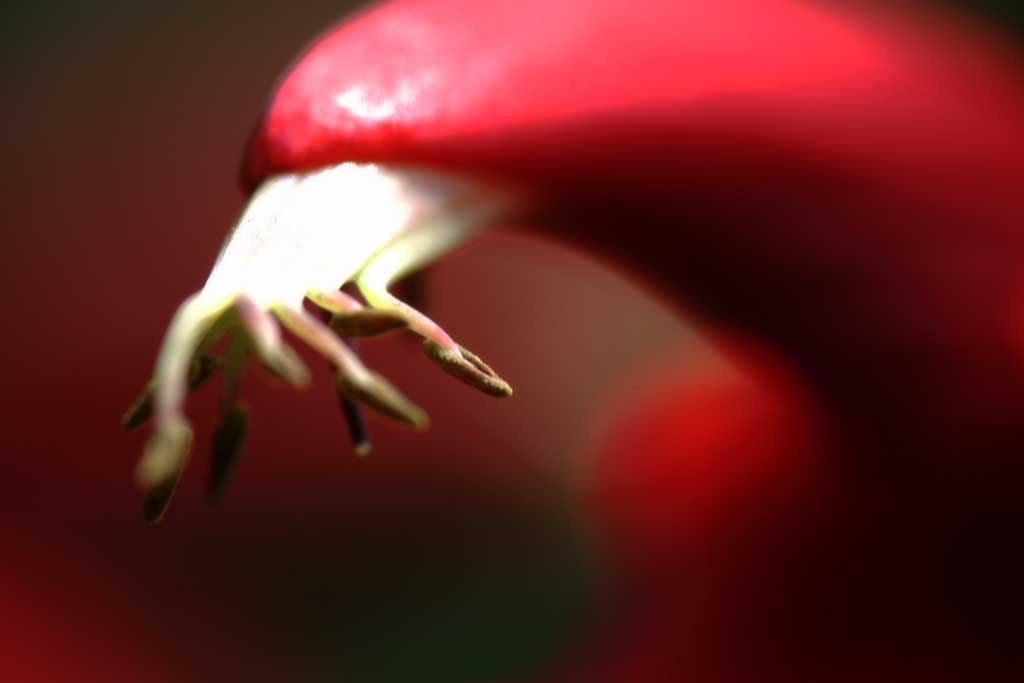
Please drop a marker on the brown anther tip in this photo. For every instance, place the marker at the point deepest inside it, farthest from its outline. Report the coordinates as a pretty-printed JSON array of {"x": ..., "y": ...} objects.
[
  {"x": 368, "y": 322},
  {"x": 228, "y": 441},
  {"x": 382, "y": 396},
  {"x": 467, "y": 367},
  {"x": 363, "y": 449}
]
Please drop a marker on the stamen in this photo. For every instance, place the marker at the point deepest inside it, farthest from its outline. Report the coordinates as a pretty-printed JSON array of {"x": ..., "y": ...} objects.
[
  {"x": 228, "y": 439},
  {"x": 462, "y": 364},
  {"x": 277, "y": 357},
  {"x": 191, "y": 322},
  {"x": 356, "y": 424},
  {"x": 369, "y": 322},
  {"x": 355, "y": 421},
  {"x": 234, "y": 363},
  {"x": 167, "y": 449},
  {"x": 161, "y": 465},
  {"x": 382, "y": 396},
  {"x": 349, "y": 318},
  {"x": 411, "y": 251},
  {"x": 351, "y": 376},
  {"x": 334, "y": 301},
  {"x": 305, "y": 236},
  {"x": 229, "y": 436}
]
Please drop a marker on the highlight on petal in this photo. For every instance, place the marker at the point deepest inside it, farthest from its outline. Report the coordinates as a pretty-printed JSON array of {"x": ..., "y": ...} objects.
[{"x": 301, "y": 238}]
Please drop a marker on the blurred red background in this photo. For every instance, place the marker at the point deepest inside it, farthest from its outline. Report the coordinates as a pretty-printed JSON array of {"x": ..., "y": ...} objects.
[{"x": 456, "y": 554}]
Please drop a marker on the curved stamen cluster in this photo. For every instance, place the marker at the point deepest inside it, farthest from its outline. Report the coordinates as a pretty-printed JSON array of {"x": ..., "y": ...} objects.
[{"x": 302, "y": 237}]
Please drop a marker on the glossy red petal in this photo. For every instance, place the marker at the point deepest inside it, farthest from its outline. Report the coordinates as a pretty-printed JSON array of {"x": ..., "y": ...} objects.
[{"x": 843, "y": 184}]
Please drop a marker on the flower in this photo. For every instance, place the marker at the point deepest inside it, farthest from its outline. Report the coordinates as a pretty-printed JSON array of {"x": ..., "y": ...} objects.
[
  {"x": 834, "y": 190},
  {"x": 302, "y": 236}
]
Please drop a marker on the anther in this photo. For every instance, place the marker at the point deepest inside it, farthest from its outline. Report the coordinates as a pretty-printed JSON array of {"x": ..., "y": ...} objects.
[{"x": 464, "y": 365}]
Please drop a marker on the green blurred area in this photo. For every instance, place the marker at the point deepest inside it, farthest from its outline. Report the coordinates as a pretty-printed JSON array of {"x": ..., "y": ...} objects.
[{"x": 1006, "y": 14}]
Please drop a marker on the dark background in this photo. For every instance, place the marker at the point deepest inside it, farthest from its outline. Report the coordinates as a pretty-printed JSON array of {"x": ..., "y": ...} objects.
[{"x": 457, "y": 554}]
